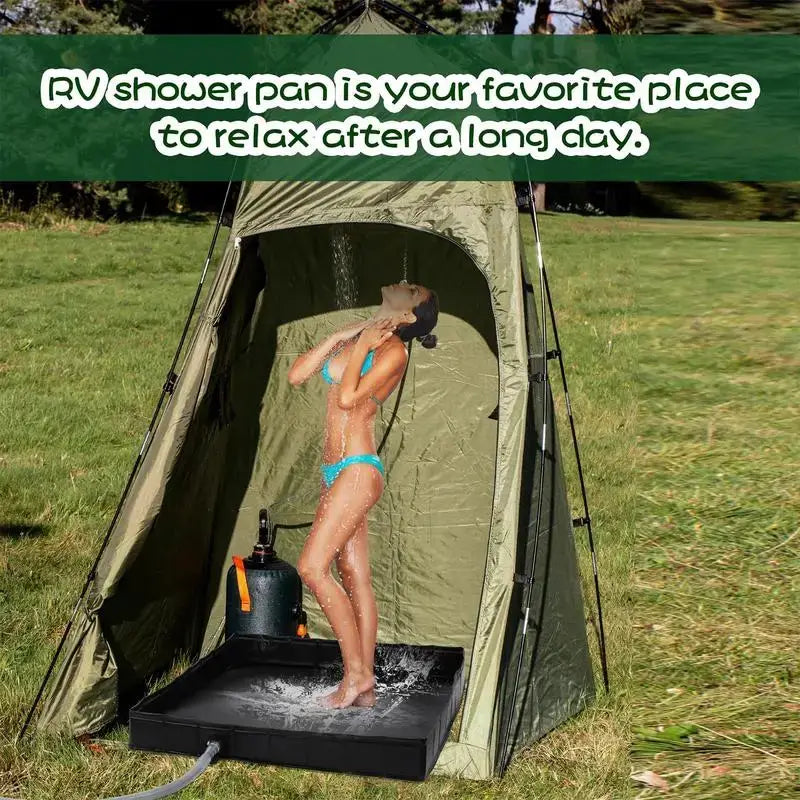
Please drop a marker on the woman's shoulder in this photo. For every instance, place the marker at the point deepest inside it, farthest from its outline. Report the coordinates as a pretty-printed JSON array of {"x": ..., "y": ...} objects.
[{"x": 394, "y": 350}]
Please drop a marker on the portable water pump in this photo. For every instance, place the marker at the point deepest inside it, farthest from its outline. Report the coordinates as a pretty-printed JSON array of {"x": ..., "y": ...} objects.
[{"x": 264, "y": 594}]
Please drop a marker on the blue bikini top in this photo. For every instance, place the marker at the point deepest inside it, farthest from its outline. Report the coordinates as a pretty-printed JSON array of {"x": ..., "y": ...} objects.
[{"x": 365, "y": 367}]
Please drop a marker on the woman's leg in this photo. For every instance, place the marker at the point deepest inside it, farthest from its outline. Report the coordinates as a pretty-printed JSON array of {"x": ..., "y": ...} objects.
[
  {"x": 352, "y": 563},
  {"x": 341, "y": 511}
]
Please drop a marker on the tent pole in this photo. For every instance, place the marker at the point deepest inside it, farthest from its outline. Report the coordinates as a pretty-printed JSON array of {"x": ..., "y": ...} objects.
[
  {"x": 586, "y": 519},
  {"x": 168, "y": 388},
  {"x": 529, "y": 575}
]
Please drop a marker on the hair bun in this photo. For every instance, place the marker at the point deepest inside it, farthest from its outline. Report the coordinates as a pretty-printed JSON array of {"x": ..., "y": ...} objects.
[{"x": 429, "y": 340}]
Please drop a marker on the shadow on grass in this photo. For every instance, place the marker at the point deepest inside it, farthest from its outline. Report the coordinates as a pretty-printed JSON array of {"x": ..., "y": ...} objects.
[{"x": 21, "y": 530}]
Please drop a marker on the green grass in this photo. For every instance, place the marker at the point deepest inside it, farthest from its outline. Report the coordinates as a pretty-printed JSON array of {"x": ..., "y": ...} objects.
[
  {"x": 717, "y": 555},
  {"x": 682, "y": 343}
]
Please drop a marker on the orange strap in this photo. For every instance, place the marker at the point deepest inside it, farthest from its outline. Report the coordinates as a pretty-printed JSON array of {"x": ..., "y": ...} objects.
[{"x": 241, "y": 579}]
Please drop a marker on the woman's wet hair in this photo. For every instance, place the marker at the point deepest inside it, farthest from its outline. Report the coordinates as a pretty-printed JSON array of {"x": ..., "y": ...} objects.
[{"x": 427, "y": 314}]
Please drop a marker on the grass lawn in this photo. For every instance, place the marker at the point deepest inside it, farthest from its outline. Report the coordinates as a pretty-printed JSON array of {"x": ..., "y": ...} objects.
[{"x": 683, "y": 349}]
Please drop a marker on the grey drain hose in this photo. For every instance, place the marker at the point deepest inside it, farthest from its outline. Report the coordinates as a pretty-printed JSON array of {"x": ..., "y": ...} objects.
[{"x": 178, "y": 785}]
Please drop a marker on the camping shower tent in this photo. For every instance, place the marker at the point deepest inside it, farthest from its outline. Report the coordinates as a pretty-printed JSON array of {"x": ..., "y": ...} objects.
[
  {"x": 454, "y": 524},
  {"x": 455, "y": 527}
]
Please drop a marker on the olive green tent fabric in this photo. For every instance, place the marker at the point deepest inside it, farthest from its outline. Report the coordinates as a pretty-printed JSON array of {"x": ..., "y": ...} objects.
[
  {"x": 370, "y": 22},
  {"x": 556, "y": 679},
  {"x": 456, "y": 518}
]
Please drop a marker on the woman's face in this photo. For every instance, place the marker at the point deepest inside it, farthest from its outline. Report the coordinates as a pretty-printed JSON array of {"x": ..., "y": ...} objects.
[{"x": 404, "y": 296}]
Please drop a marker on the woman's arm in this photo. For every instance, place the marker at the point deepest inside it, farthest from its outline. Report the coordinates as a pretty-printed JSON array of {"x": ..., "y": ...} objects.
[
  {"x": 356, "y": 388},
  {"x": 311, "y": 361}
]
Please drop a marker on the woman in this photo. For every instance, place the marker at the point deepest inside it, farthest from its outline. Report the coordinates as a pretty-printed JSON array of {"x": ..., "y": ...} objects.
[{"x": 363, "y": 363}]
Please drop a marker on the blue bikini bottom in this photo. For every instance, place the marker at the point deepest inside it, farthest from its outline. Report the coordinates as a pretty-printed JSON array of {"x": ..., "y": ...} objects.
[{"x": 330, "y": 472}]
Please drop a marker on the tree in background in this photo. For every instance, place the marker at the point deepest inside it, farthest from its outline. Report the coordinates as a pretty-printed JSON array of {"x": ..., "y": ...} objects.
[
  {"x": 612, "y": 16},
  {"x": 505, "y": 20},
  {"x": 280, "y": 16},
  {"x": 722, "y": 16},
  {"x": 67, "y": 16},
  {"x": 542, "y": 25}
]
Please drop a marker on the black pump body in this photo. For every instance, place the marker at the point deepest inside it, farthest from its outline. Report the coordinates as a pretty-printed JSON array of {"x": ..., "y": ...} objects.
[{"x": 274, "y": 588}]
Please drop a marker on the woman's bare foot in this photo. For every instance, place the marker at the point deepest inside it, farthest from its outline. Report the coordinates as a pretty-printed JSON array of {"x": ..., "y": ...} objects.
[
  {"x": 349, "y": 690},
  {"x": 365, "y": 699}
]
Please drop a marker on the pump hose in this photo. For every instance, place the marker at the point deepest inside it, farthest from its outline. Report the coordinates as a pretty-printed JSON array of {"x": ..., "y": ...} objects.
[{"x": 178, "y": 785}]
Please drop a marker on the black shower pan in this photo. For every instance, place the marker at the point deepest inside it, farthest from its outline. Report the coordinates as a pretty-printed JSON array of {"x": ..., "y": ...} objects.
[{"x": 259, "y": 698}]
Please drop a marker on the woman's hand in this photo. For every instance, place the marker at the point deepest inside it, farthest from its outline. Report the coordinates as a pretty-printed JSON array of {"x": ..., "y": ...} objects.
[
  {"x": 351, "y": 330},
  {"x": 375, "y": 334},
  {"x": 386, "y": 370},
  {"x": 310, "y": 362}
]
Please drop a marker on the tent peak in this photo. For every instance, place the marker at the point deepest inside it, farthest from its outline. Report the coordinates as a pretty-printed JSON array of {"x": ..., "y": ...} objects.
[{"x": 370, "y": 20}]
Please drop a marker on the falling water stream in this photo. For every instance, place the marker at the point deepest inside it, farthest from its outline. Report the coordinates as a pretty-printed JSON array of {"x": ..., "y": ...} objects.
[
  {"x": 344, "y": 276},
  {"x": 344, "y": 281}
]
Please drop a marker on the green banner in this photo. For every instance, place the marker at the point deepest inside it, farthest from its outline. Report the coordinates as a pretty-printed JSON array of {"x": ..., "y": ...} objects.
[{"x": 566, "y": 108}]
